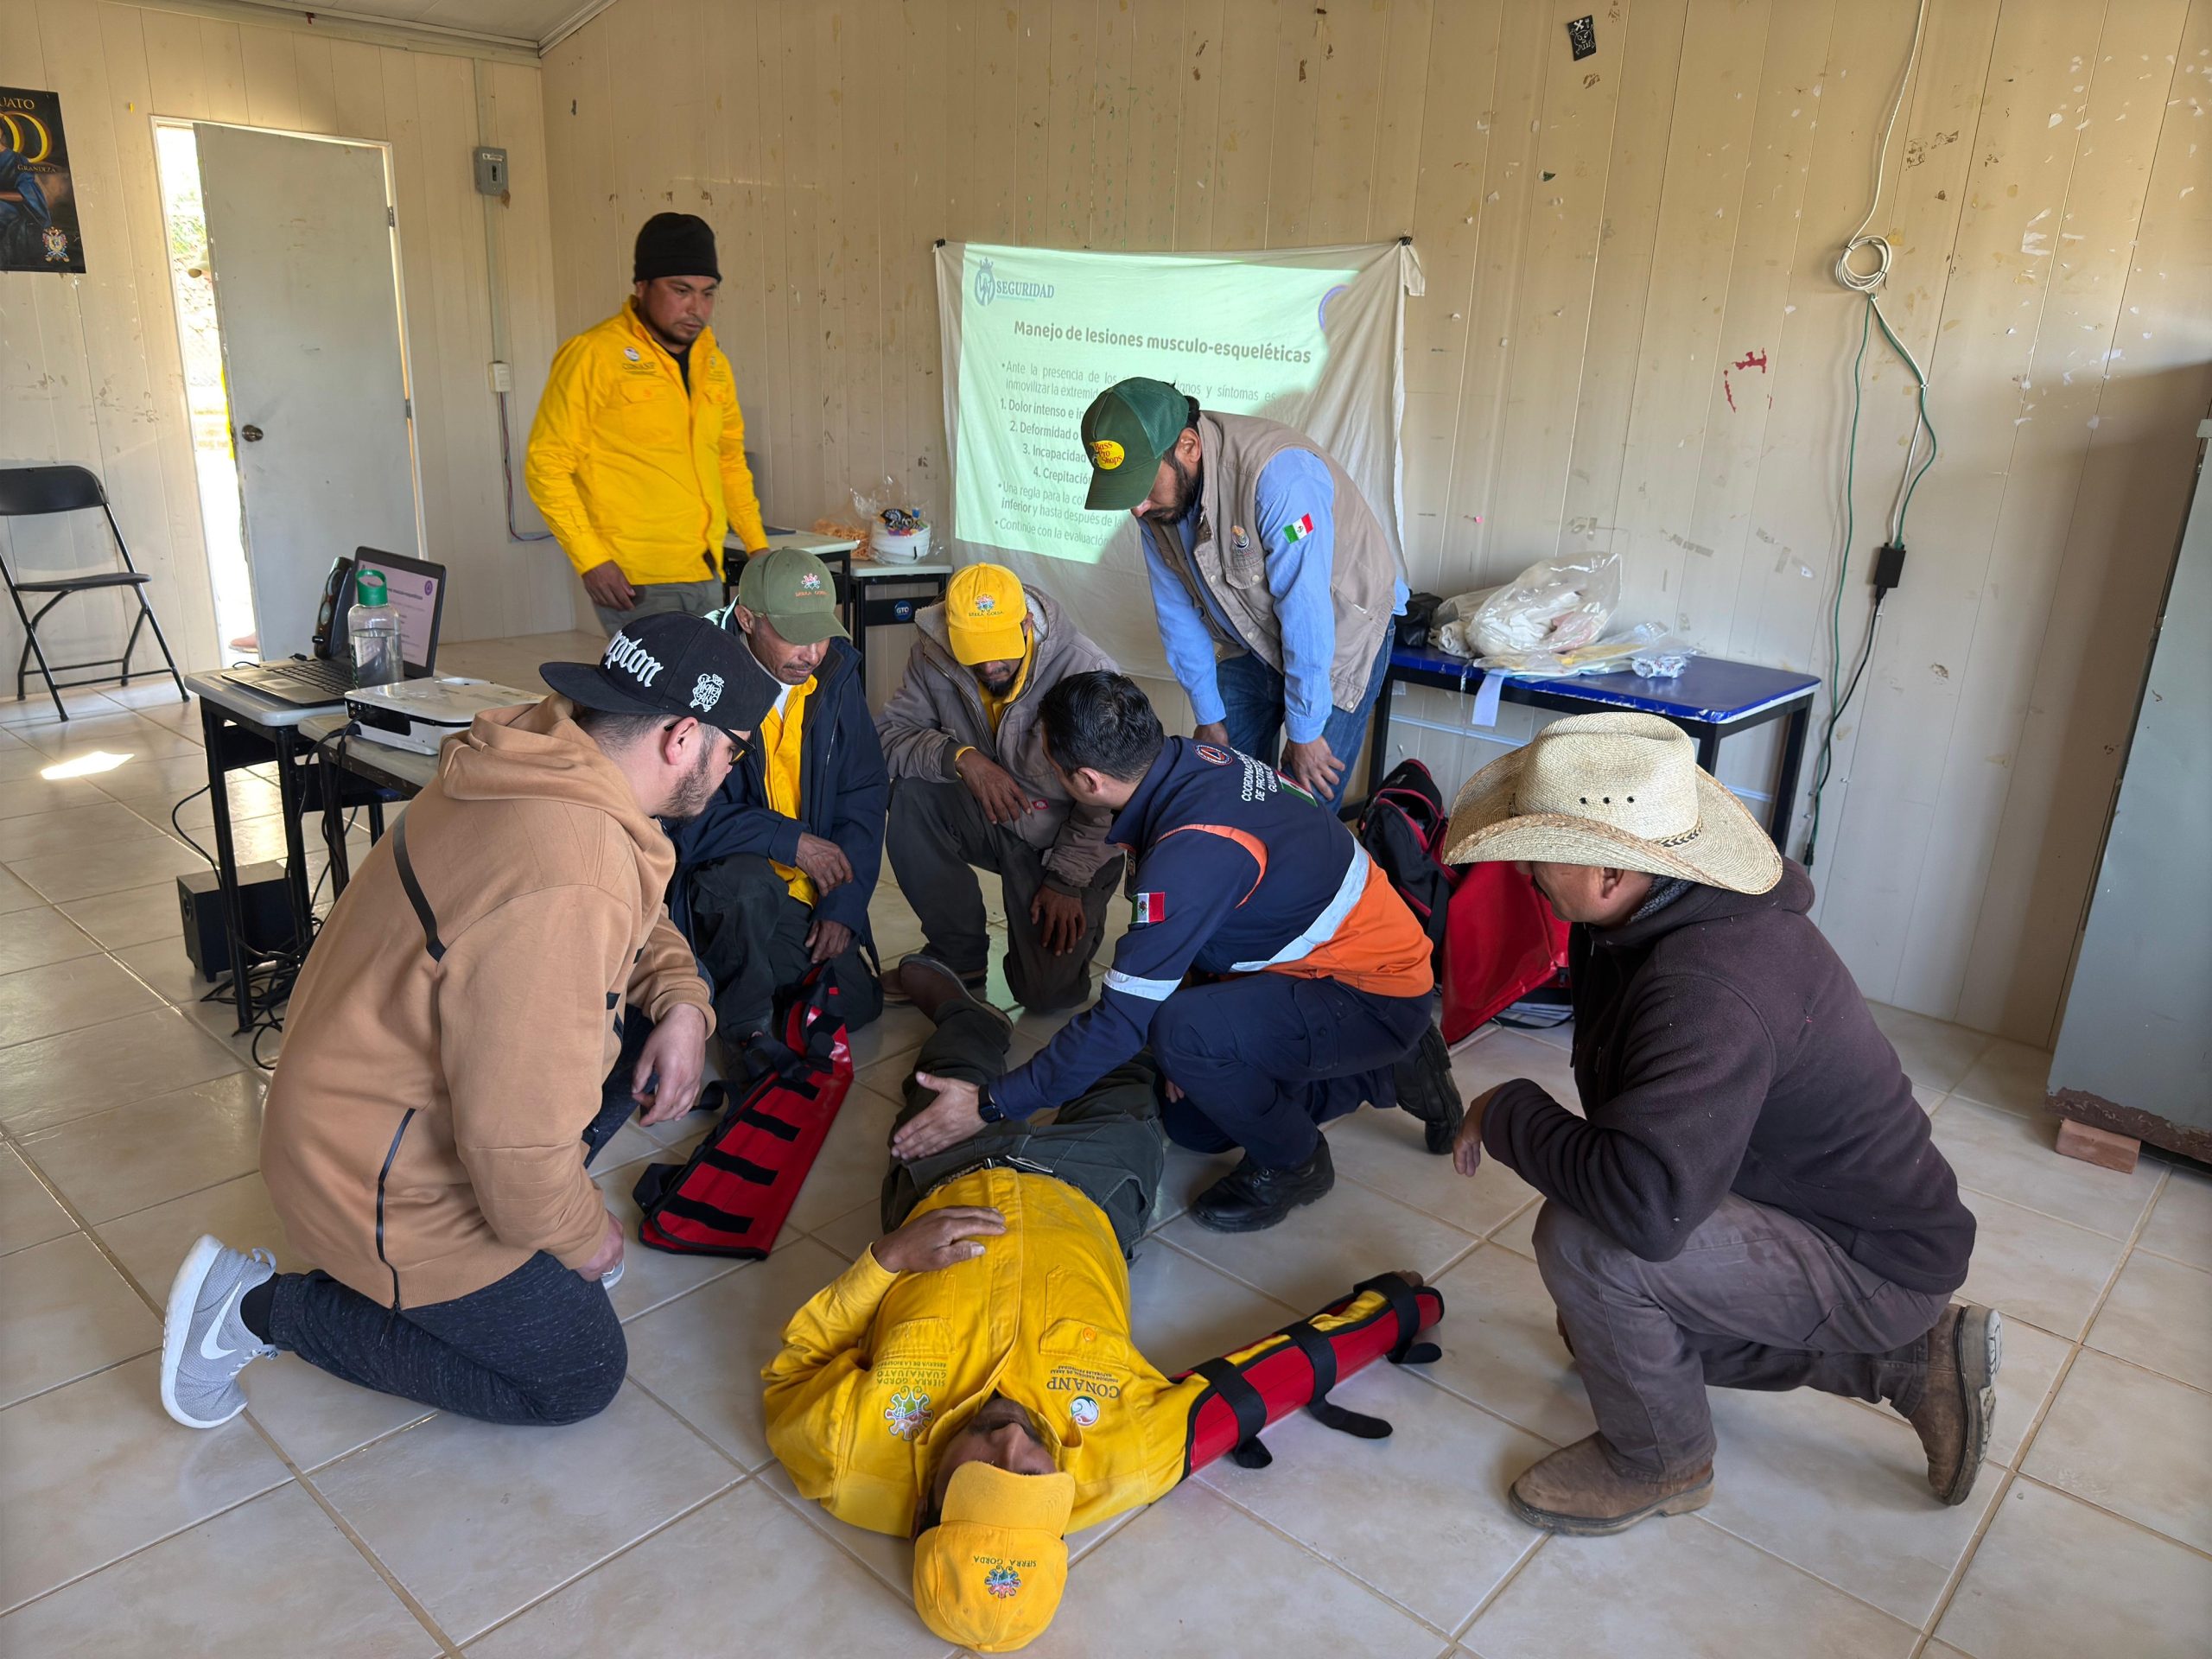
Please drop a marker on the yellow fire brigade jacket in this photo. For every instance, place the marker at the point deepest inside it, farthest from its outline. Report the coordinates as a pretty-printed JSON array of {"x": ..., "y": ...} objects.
[
  {"x": 625, "y": 465},
  {"x": 880, "y": 1369}
]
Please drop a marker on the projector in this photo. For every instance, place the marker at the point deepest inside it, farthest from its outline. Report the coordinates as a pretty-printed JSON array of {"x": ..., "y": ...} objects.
[{"x": 419, "y": 714}]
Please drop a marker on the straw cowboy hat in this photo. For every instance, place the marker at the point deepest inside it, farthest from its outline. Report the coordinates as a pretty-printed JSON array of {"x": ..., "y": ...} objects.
[{"x": 1622, "y": 791}]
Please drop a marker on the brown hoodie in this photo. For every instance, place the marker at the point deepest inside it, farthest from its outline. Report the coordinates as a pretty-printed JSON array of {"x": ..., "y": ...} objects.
[{"x": 455, "y": 1087}]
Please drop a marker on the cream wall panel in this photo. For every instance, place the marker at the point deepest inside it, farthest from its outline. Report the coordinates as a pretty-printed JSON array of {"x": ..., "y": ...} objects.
[
  {"x": 1647, "y": 350},
  {"x": 90, "y": 367}
]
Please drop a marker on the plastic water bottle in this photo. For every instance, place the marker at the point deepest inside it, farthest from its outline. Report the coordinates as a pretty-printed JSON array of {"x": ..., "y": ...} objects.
[{"x": 373, "y": 630}]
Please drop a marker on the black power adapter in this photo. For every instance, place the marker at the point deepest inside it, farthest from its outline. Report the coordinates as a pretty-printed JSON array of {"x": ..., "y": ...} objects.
[{"x": 1889, "y": 568}]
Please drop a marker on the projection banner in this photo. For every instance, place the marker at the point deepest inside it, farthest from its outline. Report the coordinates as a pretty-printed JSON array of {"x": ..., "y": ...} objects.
[{"x": 1313, "y": 337}]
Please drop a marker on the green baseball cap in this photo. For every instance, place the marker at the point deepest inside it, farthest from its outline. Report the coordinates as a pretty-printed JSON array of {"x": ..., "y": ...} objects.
[
  {"x": 796, "y": 592},
  {"x": 1127, "y": 430}
]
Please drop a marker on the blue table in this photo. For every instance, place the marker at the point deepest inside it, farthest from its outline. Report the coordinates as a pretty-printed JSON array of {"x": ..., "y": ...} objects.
[{"x": 1712, "y": 698}]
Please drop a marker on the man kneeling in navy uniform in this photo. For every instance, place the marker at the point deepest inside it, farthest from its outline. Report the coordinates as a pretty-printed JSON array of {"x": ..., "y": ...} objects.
[{"x": 1275, "y": 973}]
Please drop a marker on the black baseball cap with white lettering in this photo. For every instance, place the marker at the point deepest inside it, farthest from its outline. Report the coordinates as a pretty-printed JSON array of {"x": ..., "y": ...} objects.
[{"x": 673, "y": 665}]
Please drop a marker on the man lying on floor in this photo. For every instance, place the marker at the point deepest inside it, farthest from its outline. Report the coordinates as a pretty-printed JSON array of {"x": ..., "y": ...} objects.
[
  {"x": 1750, "y": 1199},
  {"x": 970, "y": 1381},
  {"x": 427, "y": 1130}
]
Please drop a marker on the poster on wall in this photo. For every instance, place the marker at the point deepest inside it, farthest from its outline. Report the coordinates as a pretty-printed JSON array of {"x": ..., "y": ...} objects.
[{"x": 38, "y": 206}]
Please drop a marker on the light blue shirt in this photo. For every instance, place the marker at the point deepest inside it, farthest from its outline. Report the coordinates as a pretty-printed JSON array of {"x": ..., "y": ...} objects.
[{"x": 1298, "y": 532}]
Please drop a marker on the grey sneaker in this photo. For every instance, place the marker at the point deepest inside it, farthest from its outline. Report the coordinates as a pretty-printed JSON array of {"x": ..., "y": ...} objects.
[{"x": 204, "y": 1345}]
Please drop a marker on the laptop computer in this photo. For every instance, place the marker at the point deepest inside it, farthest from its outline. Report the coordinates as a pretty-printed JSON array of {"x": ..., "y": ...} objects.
[{"x": 416, "y": 588}]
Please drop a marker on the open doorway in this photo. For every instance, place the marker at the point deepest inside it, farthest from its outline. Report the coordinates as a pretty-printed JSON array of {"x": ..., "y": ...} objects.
[
  {"x": 192, "y": 281},
  {"x": 284, "y": 262}
]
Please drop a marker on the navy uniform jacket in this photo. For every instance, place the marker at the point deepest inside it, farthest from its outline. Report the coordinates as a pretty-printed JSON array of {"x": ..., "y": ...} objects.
[{"x": 1236, "y": 872}]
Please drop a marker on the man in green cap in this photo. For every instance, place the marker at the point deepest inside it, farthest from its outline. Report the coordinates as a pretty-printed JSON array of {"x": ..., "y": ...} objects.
[
  {"x": 776, "y": 874},
  {"x": 1272, "y": 579}
]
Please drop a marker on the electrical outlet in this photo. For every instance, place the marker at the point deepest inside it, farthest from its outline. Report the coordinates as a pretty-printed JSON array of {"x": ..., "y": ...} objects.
[{"x": 503, "y": 377}]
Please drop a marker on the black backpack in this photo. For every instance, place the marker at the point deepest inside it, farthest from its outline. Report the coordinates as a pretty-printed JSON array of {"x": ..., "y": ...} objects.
[{"x": 1403, "y": 828}]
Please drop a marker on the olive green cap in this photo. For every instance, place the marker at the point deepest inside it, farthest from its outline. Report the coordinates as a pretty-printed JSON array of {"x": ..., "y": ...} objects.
[
  {"x": 1127, "y": 431},
  {"x": 796, "y": 592}
]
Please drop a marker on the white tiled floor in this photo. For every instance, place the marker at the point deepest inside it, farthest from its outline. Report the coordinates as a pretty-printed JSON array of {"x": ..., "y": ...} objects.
[{"x": 334, "y": 1522}]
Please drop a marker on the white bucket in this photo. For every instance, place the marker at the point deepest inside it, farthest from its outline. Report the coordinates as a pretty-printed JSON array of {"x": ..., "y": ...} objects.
[{"x": 888, "y": 546}]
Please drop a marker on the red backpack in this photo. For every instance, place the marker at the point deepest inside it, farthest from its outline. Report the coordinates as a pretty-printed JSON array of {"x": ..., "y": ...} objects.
[
  {"x": 731, "y": 1196},
  {"x": 1495, "y": 939}
]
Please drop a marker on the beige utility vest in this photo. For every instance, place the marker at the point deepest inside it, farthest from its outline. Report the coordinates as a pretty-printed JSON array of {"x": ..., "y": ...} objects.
[{"x": 1364, "y": 578}]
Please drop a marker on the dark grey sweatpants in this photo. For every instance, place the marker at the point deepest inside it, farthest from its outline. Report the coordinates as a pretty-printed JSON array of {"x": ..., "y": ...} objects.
[
  {"x": 750, "y": 935},
  {"x": 1107, "y": 1144},
  {"x": 1757, "y": 1298},
  {"x": 936, "y": 839}
]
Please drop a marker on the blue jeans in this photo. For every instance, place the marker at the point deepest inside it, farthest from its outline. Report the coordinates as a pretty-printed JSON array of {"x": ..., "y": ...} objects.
[{"x": 1252, "y": 704}]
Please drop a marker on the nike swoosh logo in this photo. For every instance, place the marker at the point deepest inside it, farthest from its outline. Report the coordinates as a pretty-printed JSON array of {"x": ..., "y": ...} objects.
[{"x": 208, "y": 1348}]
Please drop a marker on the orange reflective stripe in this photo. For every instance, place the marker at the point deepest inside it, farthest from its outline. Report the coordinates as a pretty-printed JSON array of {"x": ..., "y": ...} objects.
[{"x": 1251, "y": 843}]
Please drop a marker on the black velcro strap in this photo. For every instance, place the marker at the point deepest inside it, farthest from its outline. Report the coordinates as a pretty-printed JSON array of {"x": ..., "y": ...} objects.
[
  {"x": 760, "y": 1119},
  {"x": 730, "y": 1164},
  {"x": 1405, "y": 1305},
  {"x": 1251, "y": 1411},
  {"x": 423, "y": 913},
  {"x": 707, "y": 1215},
  {"x": 1321, "y": 1355}
]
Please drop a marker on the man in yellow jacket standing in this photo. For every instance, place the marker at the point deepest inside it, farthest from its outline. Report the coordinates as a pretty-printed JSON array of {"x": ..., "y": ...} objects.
[{"x": 636, "y": 458}]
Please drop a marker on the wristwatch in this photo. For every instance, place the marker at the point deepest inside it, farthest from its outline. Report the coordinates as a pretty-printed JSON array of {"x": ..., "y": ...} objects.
[{"x": 986, "y": 1108}]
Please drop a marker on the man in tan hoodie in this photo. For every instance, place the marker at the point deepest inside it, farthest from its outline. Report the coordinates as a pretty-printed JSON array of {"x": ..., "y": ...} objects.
[{"x": 425, "y": 1135}]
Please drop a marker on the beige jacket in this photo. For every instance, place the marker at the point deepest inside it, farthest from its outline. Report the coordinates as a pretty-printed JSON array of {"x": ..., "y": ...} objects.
[
  {"x": 1233, "y": 449},
  {"x": 452, "y": 1080},
  {"x": 937, "y": 711}
]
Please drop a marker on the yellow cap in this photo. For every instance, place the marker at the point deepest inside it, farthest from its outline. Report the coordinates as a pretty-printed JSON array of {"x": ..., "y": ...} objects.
[
  {"x": 984, "y": 609},
  {"x": 989, "y": 1574}
]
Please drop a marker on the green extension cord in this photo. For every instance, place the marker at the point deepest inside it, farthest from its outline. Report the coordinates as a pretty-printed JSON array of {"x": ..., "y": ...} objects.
[{"x": 1910, "y": 484}]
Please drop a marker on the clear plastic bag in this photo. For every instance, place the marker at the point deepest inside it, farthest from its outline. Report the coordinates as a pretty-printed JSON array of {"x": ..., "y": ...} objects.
[
  {"x": 1608, "y": 656},
  {"x": 1555, "y": 605},
  {"x": 1662, "y": 659}
]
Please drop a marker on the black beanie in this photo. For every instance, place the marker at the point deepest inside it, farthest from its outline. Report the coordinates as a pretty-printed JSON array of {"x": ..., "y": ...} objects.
[{"x": 675, "y": 244}]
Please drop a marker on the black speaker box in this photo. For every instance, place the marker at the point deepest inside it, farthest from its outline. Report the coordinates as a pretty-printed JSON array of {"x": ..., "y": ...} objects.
[{"x": 266, "y": 910}]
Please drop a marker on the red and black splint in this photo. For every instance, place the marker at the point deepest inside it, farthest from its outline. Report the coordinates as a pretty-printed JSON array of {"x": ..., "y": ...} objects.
[
  {"x": 733, "y": 1195},
  {"x": 1240, "y": 1401}
]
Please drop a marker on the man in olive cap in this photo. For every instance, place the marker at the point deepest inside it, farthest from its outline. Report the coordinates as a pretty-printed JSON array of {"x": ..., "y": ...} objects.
[
  {"x": 775, "y": 876},
  {"x": 1272, "y": 579},
  {"x": 636, "y": 458}
]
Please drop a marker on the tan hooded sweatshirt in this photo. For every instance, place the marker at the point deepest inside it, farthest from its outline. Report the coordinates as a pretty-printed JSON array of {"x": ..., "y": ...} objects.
[{"x": 456, "y": 1086}]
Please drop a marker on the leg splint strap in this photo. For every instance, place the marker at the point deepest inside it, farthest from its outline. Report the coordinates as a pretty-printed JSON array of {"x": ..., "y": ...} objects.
[
  {"x": 1299, "y": 1364},
  {"x": 733, "y": 1194}
]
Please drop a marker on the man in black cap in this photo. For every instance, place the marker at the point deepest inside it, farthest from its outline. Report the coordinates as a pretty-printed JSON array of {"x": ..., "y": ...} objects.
[
  {"x": 426, "y": 1135},
  {"x": 636, "y": 458}
]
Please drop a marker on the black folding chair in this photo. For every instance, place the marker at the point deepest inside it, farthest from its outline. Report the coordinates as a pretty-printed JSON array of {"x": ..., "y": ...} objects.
[{"x": 26, "y": 490}]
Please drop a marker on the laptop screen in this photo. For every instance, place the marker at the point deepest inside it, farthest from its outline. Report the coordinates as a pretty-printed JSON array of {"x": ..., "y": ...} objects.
[{"x": 415, "y": 589}]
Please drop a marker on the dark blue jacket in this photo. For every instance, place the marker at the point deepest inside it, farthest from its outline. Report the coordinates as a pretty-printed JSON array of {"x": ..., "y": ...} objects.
[
  {"x": 843, "y": 793},
  {"x": 1236, "y": 872}
]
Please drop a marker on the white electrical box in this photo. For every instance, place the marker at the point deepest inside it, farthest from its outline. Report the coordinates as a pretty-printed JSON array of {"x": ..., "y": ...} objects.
[{"x": 503, "y": 377}]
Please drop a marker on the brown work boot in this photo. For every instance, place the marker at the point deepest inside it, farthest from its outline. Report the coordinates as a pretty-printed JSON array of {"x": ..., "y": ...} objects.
[
  {"x": 1958, "y": 1398},
  {"x": 932, "y": 988},
  {"x": 1576, "y": 1490}
]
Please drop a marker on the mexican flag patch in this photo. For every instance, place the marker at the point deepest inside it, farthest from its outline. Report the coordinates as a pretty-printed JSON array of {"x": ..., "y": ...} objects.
[
  {"x": 1299, "y": 528},
  {"x": 1146, "y": 908}
]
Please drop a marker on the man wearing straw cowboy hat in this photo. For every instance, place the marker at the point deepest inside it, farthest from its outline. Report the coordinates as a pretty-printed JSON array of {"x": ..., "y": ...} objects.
[{"x": 1749, "y": 1197}]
